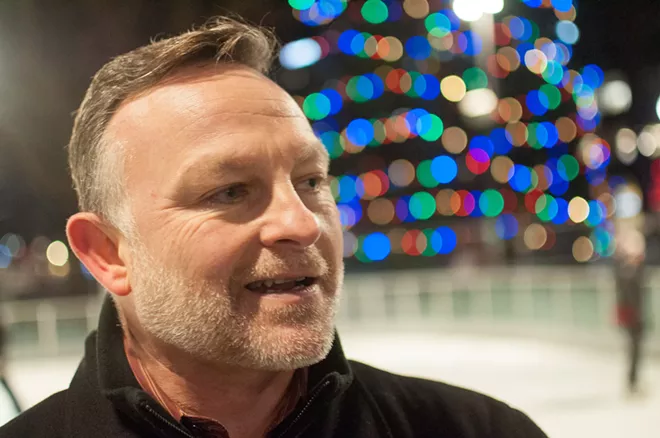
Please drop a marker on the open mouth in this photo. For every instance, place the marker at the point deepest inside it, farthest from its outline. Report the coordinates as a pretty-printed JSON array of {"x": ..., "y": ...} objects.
[{"x": 281, "y": 285}]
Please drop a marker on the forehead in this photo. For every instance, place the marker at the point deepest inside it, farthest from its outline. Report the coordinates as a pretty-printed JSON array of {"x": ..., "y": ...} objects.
[{"x": 228, "y": 109}]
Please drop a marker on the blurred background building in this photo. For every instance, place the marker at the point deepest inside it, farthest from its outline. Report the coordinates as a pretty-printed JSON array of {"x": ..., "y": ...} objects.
[{"x": 490, "y": 160}]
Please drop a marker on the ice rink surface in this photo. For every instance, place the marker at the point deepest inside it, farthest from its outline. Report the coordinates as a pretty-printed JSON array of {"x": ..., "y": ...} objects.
[{"x": 570, "y": 392}]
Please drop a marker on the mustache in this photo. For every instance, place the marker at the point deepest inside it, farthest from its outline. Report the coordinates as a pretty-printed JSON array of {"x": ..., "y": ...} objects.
[{"x": 308, "y": 261}]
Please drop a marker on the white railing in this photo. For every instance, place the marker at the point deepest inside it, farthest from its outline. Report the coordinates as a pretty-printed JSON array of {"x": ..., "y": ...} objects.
[{"x": 570, "y": 304}]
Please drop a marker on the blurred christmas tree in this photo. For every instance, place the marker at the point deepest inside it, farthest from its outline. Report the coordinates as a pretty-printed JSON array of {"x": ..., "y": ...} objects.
[{"x": 454, "y": 125}]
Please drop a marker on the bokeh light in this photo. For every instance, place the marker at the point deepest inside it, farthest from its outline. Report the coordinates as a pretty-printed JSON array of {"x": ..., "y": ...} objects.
[
  {"x": 57, "y": 253},
  {"x": 583, "y": 249}
]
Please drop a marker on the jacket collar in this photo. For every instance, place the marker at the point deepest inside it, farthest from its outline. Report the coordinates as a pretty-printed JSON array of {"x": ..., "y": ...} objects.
[{"x": 109, "y": 370}]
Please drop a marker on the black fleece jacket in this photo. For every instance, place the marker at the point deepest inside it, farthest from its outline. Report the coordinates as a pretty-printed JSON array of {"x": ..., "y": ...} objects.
[{"x": 345, "y": 399}]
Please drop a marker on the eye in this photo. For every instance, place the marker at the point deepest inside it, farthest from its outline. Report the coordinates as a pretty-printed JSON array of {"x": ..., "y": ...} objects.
[
  {"x": 229, "y": 195},
  {"x": 312, "y": 184}
]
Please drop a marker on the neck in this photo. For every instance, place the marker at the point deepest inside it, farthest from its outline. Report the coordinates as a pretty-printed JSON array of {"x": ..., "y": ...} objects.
[{"x": 246, "y": 402}]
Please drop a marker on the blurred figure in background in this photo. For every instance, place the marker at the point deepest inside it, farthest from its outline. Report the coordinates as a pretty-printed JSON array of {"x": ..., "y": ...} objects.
[
  {"x": 629, "y": 273},
  {"x": 6, "y": 394}
]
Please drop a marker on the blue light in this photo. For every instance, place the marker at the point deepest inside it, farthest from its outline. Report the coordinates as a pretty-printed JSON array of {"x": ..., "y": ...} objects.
[
  {"x": 413, "y": 122},
  {"x": 506, "y": 226},
  {"x": 587, "y": 125},
  {"x": 360, "y": 132},
  {"x": 593, "y": 76},
  {"x": 596, "y": 213},
  {"x": 444, "y": 169},
  {"x": 325, "y": 125},
  {"x": 418, "y": 47},
  {"x": 500, "y": 141},
  {"x": 535, "y": 104},
  {"x": 443, "y": 240},
  {"x": 300, "y": 53},
  {"x": 552, "y": 135},
  {"x": 432, "y": 87},
  {"x": 357, "y": 44},
  {"x": 562, "y": 5},
  {"x": 377, "y": 84},
  {"x": 521, "y": 181},
  {"x": 5, "y": 257},
  {"x": 365, "y": 87},
  {"x": 533, "y": 3},
  {"x": 470, "y": 43},
  {"x": 453, "y": 19},
  {"x": 345, "y": 39},
  {"x": 402, "y": 209},
  {"x": 336, "y": 101},
  {"x": 476, "y": 212},
  {"x": 567, "y": 31},
  {"x": 346, "y": 189},
  {"x": 349, "y": 214},
  {"x": 395, "y": 11},
  {"x": 332, "y": 8},
  {"x": 523, "y": 48},
  {"x": 558, "y": 187},
  {"x": 562, "y": 212},
  {"x": 521, "y": 29},
  {"x": 483, "y": 143}
]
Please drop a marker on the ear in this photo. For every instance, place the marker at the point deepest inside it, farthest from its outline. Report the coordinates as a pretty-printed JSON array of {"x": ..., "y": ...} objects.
[{"x": 98, "y": 246}]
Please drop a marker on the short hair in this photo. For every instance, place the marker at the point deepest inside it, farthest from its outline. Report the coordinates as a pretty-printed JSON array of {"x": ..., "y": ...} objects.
[{"x": 97, "y": 166}]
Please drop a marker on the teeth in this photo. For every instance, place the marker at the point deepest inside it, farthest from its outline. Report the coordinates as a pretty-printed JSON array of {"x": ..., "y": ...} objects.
[{"x": 270, "y": 283}]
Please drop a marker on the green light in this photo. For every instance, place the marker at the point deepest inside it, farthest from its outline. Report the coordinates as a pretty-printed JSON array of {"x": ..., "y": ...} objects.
[
  {"x": 301, "y": 5},
  {"x": 438, "y": 24},
  {"x": 422, "y": 205},
  {"x": 412, "y": 92},
  {"x": 553, "y": 94},
  {"x": 359, "y": 253},
  {"x": 362, "y": 53},
  {"x": 334, "y": 188},
  {"x": 424, "y": 175},
  {"x": 535, "y": 32},
  {"x": 568, "y": 167},
  {"x": 534, "y": 181},
  {"x": 332, "y": 142},
  {"x": 491, "y": 203},
  {"x": 428, "y": 251},
  {"x": 546, "y": 207},
  {"x": 532, "y": 137},
  {"x": 353, "y": 92},
  {"x": 316, "y": 106},
  {"x": 553, "y": 73},
  {"x": 475, "y": 78},
  {"x": 375, "y": 11},
  {"x": 435, "y": 129}
]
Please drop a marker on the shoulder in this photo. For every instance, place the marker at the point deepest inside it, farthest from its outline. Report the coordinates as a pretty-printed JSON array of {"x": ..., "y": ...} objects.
[
  {"x": 45, "y": 419},
  {"x": 430, "y": 405}
]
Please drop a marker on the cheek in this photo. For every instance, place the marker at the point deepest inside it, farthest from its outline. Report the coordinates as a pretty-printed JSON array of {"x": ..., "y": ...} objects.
[{"x": 204, "y": 247}]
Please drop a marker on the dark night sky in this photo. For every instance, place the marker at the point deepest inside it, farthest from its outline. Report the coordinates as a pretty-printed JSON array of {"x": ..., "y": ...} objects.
[{"x": 50, "y": 49}]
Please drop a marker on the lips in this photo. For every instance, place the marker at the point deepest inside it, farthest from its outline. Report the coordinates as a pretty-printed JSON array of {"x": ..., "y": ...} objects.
[{"x": 280, "y": 285}]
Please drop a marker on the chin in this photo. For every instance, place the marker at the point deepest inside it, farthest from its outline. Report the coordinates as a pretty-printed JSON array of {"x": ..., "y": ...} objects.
[{"x": 291, "y": 348}]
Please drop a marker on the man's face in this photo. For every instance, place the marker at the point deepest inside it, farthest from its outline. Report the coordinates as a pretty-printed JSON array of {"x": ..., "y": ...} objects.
[{"x": 237, "y": 253}]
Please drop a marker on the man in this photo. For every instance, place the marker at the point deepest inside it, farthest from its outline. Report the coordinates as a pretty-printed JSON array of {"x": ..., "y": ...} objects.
[
  {"x": 629, "y": 258},
  {"x": 206, "y": 213}
]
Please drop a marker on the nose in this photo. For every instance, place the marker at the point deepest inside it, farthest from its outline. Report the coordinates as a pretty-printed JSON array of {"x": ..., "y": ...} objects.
[{"x": 288, "y": 221}]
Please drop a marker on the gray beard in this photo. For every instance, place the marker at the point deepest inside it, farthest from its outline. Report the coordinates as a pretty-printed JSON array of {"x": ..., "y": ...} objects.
[{"x": 207, "y": 322}]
